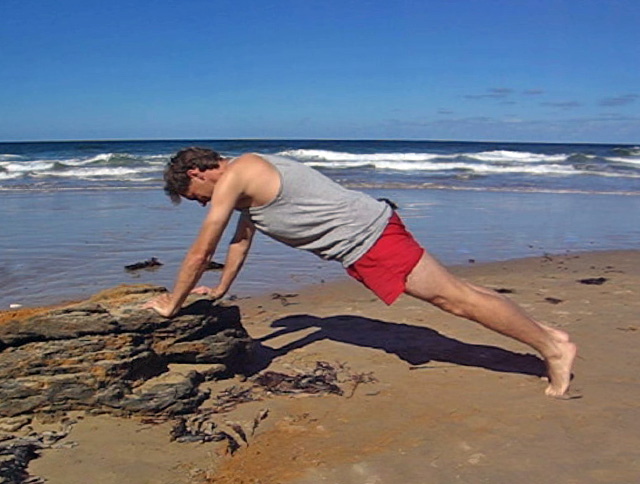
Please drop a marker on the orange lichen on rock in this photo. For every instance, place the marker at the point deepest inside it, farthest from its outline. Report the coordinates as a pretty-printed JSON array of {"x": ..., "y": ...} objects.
[{"x": 25, "y": 313}]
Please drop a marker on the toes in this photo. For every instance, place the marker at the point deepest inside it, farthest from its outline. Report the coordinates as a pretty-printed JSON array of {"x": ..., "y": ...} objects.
[{"x": 568, "y": 395}]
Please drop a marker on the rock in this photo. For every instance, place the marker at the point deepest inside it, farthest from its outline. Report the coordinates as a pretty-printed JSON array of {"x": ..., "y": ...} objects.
[
  {"x": 17, "y": 452},
  {"x": 166, "y": 398},
  {"x": 12, "y": 424},
  {"x": 96, "y": 354},
  {"x": 14, "y": 459}
]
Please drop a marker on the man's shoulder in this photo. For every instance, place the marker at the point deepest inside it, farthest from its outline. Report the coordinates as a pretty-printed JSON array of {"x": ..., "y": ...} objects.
[
  {"x": 250, "y": 166},
  {"x": 249, "y": 159},
  {"x": 255, "y": 177},
  {"x": 245, "y": 164}
]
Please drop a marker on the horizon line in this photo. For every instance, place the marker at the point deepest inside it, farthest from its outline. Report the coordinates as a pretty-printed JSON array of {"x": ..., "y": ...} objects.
[{"x": 416, "y": 140}]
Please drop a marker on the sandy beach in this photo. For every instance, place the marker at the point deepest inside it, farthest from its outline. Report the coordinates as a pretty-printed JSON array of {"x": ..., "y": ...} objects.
[{"x": 427, "y": 397}]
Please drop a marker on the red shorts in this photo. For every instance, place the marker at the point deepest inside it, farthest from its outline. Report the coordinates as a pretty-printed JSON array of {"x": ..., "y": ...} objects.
[{"x": 384, "y": 268}]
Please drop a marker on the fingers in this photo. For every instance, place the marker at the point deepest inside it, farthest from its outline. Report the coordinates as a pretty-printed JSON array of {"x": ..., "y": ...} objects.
[
  {"x": 158, "y": 304},
  {"x": 201, "y": 290},
  {"x": 152, "y": 303},
  {"x": 217, "y": 293}
]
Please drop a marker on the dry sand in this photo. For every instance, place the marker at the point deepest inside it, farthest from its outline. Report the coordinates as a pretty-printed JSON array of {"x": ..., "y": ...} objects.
[{"x": 452, "y": 402}]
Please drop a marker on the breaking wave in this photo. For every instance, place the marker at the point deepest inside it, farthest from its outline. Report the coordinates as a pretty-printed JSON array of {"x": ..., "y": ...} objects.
[
  {"x": 469, "y": 165},
  {"x": 480, "y": 163}
]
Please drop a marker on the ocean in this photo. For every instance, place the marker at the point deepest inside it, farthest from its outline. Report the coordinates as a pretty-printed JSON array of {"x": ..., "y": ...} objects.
[{"x": 75, "y": 213}]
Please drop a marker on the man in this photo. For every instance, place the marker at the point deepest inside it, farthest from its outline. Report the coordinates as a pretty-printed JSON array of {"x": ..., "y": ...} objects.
[{"x": 302, "y": 208}]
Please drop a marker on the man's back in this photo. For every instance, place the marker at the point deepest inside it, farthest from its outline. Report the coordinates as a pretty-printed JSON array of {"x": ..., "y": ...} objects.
[{"x": 314, "y": 213}]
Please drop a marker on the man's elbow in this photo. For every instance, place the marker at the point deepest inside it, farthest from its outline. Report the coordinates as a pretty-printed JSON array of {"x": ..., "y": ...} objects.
[
  {"x": 198, "y": 258},
  {"x": 240, "y": 246}
]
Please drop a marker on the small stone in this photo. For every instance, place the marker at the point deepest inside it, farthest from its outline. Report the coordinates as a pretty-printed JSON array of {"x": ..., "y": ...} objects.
[{"x": 553, "y": 300}]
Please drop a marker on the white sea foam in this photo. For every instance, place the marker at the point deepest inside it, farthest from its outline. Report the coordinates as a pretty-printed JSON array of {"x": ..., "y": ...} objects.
[
  {"x": 532, "y": 169},
  {"x": 631, "y": 161},
  {"x": 9, "y": 176},
  {"x": 338, "y": 164},
  {"x": 496, "y": 156},
  {"x": 103, "y": 172},
  {"x": 417, "y": 166},
  {"x": 8, "y": 157},
  {"x": 391, "y": 165},
  {"x": 114, "y": 157},
  {"x": 28, "y": 166},
  {"x": 339, "y": 156},
  {"x": 435, "y": 166},
  {"x": 501, "y": 156},
  {"x": 81, "y": 161},
  {"x": 102, "y": 157}
]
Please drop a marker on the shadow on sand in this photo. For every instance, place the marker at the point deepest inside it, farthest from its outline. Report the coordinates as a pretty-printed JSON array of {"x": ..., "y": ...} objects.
[{"x": 416, "y": 345}]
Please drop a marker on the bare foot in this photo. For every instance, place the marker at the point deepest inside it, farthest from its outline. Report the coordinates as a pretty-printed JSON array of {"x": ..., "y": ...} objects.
[{"x": 559, "y": 366}]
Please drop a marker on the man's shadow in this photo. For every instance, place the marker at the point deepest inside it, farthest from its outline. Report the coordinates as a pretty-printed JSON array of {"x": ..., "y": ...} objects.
[{"x": 416, "y": 345}]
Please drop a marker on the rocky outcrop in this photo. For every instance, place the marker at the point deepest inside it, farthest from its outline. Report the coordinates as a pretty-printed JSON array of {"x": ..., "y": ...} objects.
[
  {"x": 17, "y": 451},
  {"x": 97, "y": 355}
]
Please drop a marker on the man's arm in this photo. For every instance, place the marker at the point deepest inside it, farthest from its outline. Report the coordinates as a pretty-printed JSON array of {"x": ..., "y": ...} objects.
[
  {"x": 226, "y": 193},
  {"x": 236, "y": 255}
]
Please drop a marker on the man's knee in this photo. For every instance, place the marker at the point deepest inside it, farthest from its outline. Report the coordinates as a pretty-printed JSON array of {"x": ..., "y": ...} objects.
[
  {"x": 455, "y": 306},
  {"x": 431, "y": 282},
  {"x": 454, "y": 297}
]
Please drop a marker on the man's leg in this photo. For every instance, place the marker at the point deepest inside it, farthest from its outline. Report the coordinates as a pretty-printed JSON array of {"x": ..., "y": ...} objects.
[{"x": 431, "y": 282}]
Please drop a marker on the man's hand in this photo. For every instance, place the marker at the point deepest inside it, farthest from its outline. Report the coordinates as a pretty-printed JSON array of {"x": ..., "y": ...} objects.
[
  {"x": 214, "y": 293},
  {"x": 163, "y": 305}
]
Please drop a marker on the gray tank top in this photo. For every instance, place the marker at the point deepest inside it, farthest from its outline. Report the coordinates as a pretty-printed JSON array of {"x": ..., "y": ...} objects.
[{"x": 314, "y": 213}]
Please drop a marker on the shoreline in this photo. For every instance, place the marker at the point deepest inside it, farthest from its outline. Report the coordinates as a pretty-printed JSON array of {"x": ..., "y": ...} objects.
[
  {"x": 333, "y": 285},
  {"x": 350, "y": 185}
]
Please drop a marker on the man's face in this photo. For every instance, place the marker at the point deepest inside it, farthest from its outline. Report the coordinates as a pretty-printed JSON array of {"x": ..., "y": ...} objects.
[{"x": 199, "y": 191}]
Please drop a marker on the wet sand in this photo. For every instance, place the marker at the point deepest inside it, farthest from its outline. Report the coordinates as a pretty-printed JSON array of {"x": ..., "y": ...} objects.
[{"x": 452, "y": 402}]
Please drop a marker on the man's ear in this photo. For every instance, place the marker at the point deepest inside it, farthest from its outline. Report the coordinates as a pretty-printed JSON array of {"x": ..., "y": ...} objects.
[{"x": 195, "y": 173}]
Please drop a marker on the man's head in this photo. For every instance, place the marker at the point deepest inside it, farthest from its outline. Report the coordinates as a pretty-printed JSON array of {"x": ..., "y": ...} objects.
[{"x": 181, "y": 167}]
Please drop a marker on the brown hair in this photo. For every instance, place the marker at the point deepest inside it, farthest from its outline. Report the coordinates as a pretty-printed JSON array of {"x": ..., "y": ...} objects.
[{"x": 176, "y": 178}]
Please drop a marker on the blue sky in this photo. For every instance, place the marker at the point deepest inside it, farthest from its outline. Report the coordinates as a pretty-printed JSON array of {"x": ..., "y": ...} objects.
[{"x": 511, "y": 70}]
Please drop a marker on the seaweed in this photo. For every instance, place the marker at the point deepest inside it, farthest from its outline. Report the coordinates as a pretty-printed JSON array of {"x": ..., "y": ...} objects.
[
  {"x": 149, "y": 263},
  {"x": 594, "y": 281},
  {"x": 323, "y": 379}
]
